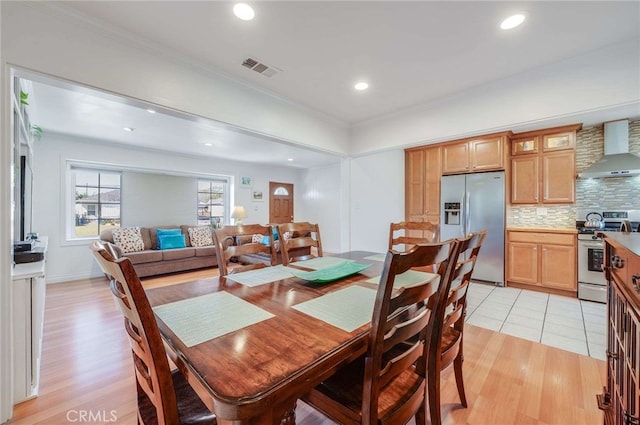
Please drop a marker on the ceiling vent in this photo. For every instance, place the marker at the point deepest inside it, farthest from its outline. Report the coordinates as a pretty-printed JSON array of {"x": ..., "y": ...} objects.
[{"x": 260, "y": 68}]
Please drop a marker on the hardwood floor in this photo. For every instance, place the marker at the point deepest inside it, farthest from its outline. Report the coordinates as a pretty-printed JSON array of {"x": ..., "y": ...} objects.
[{"x": 87, "y": 375}]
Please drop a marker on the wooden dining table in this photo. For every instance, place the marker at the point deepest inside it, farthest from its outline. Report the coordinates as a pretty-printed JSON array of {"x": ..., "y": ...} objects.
[{"x": 255, "y": 375}]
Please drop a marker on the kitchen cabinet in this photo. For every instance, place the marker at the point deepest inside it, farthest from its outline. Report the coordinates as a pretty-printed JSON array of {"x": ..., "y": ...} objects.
[
  {"x": 543, "y": 166},
  {"x": 422, "y": 184},
  {"x": 474, "y": 155},
  {"x": 542, "y": 260},
  {"x": 620, "y": 399}
]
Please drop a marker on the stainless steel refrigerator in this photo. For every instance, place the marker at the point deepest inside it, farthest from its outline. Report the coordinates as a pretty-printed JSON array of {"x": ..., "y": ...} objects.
[{"x": 474, "y": 202}]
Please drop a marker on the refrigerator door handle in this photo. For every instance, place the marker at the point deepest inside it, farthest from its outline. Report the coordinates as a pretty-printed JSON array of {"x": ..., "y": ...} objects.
[
  {"x": 463, "y": 216},
  {"x": 467, "y": 206}
]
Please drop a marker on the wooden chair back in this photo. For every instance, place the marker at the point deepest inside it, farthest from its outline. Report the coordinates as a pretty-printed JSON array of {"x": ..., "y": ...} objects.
[
  {"x": 448, "y": 340},
  {"x": 409, "y": 233},
  {"x": 401, "y": 329},
  {"x": 300, "y": 235},
  {"x": 153, "y": 375},
  {"x": 227, "y": 245}
]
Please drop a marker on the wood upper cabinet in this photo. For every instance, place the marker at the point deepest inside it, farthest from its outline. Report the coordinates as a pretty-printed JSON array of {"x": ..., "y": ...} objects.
[
  {"x": 422, "y": 184},
  {"x": 543, "y": 166},
  {"x": 475, "y": 155},
  {"x": 542, "y": 260}
]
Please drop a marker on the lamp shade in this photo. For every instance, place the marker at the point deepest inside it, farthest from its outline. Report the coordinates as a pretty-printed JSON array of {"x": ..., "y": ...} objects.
[{"x": 238, "y": 213}]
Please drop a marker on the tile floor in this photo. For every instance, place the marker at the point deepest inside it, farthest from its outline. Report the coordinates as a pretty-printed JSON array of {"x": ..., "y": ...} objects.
[{"x": 562, "y": 322}]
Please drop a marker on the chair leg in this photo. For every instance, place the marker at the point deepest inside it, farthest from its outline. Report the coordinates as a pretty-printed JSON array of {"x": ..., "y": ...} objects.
[
  {"x": 457, "y": 367},
  {"x": 434, "y": 397}
]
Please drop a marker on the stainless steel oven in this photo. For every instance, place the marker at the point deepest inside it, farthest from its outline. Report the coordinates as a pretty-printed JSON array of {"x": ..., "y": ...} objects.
[{"x": 592, "y": 285}]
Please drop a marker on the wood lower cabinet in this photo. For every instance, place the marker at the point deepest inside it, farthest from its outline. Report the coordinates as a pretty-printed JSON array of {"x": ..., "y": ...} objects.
[
  {"x": 620, "y": 399},
  {"x": 542, "y": 260},
  {"x": 422, "y": 184},
  {"x": 486, "y": 153}
]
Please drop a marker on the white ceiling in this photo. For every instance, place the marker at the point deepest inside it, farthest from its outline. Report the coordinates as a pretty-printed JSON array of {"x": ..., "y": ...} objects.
[{"x": 410, "y": 52}]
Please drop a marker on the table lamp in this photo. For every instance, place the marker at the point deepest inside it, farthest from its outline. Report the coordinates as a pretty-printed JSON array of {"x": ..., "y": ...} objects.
[{"x": 238, "y": 214}]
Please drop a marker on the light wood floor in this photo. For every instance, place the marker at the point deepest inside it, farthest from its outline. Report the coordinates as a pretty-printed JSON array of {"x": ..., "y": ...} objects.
[{"x": 87, "y": 369}]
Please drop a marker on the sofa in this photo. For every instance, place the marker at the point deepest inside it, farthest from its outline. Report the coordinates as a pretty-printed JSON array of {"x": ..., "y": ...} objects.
[{"x": 148, "y": 257}]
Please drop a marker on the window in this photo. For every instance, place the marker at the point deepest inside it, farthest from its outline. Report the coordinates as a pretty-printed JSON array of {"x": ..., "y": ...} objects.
[
  {"x": 212, "y": 194},
  {"x": 97, "y": 201}
]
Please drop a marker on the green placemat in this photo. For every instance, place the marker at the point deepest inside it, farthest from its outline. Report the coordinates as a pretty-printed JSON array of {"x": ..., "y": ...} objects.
[
  {"x": 199, "y": 319},
  {"x": 329, "y": 274},
  {"x": 408, "y": 278},
  {"x": 347, "y": 308}
]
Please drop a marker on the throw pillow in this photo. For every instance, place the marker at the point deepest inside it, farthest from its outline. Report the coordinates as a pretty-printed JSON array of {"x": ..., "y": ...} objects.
[
  {"x": 161, "y": 232},
  {"x": 200, "y": 236},
  {"x": 257, "y": 238},
  {"x": 129, "y": 239},
  {"x": 171, "y": 241}
]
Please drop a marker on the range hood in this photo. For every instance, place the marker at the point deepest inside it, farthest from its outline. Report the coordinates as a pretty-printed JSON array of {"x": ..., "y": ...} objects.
[{"x": 617, "y": 161}]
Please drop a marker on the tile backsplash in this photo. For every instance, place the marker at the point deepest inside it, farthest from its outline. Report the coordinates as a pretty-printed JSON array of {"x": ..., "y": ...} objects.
[{"x": 593, "y": 194}]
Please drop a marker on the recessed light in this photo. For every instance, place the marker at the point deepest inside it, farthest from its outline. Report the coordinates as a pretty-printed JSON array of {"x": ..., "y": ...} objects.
[
  {"x": 512, "y": 21},
  {"x": 208, "y": 144},
  {"x": 129, "y": 129},
  {"x": 290, "y": 159},
  {"x": 243, "y": 11},
  {"x": 361, "y": 86},
  {"x": 151, "y": 111}
]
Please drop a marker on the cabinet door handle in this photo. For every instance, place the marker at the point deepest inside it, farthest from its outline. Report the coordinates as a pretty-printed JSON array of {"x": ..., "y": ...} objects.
[
  {"x": 635, "y": 280},
  {"x": 630, "y": 419},
  {"x": 617, "y": 262}
]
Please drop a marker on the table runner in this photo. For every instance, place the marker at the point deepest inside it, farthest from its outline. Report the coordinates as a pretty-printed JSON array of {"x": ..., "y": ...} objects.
[
  {"x": 260, "y": 276},
  {"x": 319, "y": 262},
  {"x": 408, "y": 278},
  {"x": 347, "y": 308},
  {"x": 377, "y": 257},
  {"x": 199, "y": 319}
]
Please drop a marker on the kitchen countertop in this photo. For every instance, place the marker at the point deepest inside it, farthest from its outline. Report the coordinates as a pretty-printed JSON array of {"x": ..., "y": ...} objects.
[
  {"x": 630, "y": 241},
  {"x": 572, "y": 230}
]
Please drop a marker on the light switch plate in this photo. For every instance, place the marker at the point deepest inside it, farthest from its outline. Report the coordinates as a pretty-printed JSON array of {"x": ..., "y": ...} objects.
[{"x": 541, "y": 211}]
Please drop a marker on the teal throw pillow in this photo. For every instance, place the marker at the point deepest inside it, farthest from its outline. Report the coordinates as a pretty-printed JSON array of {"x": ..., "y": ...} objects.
[
  {"x": 171, "y": 241},
  {"x": 275, "y": 233},
  {"x": 265, "y": 241},
  {"x": 162, "y": 232}
]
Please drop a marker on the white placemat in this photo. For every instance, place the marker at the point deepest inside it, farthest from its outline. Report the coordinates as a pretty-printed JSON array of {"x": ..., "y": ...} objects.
[
  {"x": 260, "y": 276},
  {"x": 320, "y": 262},
  {"x": 408, "y": 278},
  {"x": 377, "y": 257},
  {"x": 347, "y": 308},
  {"x": 199, "y": 319}
]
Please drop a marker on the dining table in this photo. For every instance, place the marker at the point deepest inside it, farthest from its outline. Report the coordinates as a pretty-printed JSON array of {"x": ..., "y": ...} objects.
[{"x": 251, "y": 345}]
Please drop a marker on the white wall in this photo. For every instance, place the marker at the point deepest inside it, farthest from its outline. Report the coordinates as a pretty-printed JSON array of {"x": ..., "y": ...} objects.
[
  {"x": 604, "y": 81},
  {"x": 320, "y": 201},
  {"x": 377, "y": 198},
  {"x": 151, "y": 199},
  {"x": 40, "y": 37},
  {"x": 69, "y": 261}
]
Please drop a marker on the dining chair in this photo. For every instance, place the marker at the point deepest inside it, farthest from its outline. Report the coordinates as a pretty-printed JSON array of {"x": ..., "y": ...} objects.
[
  {"x": 409, "y": 233},
  {"x": 450, "y": 343},
  {"x": 229, "y": 242},
  {"x": 388, "y": 384},
  {"x": 299, "y": 241},
  {"x": 164, "y": 396}
]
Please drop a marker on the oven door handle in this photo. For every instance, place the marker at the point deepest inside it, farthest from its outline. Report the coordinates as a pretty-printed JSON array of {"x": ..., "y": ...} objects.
[{"x": 597, "y": 245}]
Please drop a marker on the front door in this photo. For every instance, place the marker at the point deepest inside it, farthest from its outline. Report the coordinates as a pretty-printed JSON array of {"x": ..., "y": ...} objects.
[{"x": 280, "y": 202}]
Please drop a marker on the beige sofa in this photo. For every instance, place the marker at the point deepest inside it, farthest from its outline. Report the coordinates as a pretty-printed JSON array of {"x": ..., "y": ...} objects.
[{"x": 152, "y": 261}]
